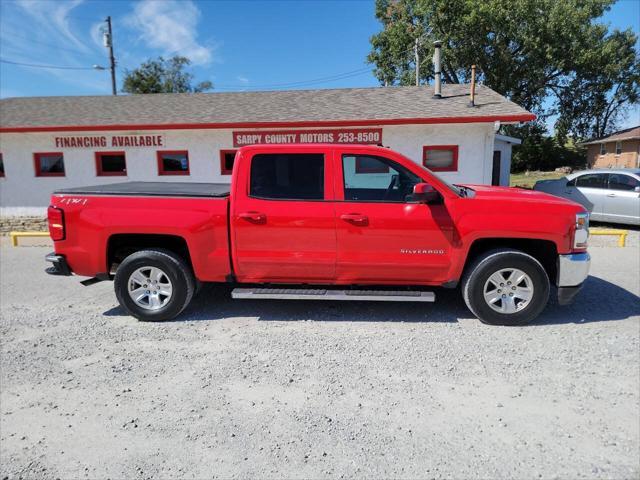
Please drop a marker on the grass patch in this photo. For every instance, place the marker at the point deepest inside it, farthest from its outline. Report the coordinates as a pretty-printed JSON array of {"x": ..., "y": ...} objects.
[{"x": 527, "y": 179}]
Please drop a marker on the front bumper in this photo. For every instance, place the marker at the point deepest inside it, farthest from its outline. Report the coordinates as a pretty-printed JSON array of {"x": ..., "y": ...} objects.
[
  {"x": 59, "y": 265},
  {"x": 573, "y": 270}
]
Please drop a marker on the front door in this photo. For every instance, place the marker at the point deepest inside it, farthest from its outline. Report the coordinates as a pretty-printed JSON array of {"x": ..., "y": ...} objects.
[
  {"x": 283, "y": 224},
  {"x": 382, "y": 237},
  {"x": 622, "y": 203}
]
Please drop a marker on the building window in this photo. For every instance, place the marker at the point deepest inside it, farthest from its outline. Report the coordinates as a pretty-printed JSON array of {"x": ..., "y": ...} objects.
[
  {"x": 111, "y": 164},
  {"x": 370, "y": 165},
  {"x": 49, "y": 164},
  {"x": 227, "y": 158},
  {"x": 618, "y": 148},
  {"x": 175, "y": 162},
  {"x": 1, "y": 166},
  {"x": 440, "y": 158},
  {"x": 603, "y": 149}
]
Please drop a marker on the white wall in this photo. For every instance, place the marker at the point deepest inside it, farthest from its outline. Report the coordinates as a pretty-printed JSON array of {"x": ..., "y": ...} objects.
[{"x": 21, "y": 192}]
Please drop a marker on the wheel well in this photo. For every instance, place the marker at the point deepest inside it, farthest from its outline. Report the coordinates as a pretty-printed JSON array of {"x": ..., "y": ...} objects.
[
  {"x": 545, "y": 251},
  {"x": 121, "y": 246}
]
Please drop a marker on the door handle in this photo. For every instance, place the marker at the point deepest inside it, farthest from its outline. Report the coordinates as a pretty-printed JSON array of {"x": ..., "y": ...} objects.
[
  {"x": 253, "y": 216},
  {"x": 611, "y": 195},
  {"x": 355, "y": 218}
]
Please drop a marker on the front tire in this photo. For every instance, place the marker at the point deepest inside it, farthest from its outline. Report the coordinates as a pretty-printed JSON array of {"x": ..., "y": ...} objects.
[
  {"x": 506, "y": 287},
  {"x": 154, "y": 285}
]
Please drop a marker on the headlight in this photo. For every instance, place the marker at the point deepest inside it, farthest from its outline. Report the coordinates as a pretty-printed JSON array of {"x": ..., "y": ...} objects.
[{"x": 581, "y": 235}]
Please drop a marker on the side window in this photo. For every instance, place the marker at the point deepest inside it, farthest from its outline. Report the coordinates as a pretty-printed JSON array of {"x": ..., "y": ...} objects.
[
  {"x": 572, "y": 183},
  {"x": 592, "y": 180},
  {"x": 294, "y": 176},
  {"x": 603, "y": 149},
  {"x": 1, "y": 166},
  {"x": 618, "y": 148},
  {"x": 393, "y": 183},
  {"x": 619, "y": 181}
]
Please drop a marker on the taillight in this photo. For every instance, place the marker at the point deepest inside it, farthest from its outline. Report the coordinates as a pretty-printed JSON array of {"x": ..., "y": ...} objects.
[{"x": 56, "y": 223}]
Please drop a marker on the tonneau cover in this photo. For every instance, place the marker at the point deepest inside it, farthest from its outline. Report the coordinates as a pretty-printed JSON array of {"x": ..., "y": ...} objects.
[{"x": 156, "y": 189}]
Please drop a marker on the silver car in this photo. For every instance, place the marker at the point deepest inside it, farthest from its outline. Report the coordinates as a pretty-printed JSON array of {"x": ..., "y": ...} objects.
[{"x": 610, "y": 195}]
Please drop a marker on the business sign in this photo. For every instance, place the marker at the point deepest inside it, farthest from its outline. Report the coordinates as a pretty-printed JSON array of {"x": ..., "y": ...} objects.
[
  {"x": 111, "y": 141},
  {"x": 343, "y": 135}
]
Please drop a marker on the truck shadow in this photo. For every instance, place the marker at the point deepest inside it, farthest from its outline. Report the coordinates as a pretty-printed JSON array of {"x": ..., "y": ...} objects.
[{"x": 599, "y": 301}]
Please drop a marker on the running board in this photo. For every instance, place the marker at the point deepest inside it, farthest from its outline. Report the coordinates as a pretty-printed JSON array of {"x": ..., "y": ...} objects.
[{"x": 318, "y": 294}]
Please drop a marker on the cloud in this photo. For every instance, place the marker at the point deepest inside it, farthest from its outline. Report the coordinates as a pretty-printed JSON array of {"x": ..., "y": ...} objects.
[
  {"x": 52, "y": 18},
  {"x": 242, "y": 79},
  {"x": 170, "y": 26},
  {"x": 45, "y": 33}
]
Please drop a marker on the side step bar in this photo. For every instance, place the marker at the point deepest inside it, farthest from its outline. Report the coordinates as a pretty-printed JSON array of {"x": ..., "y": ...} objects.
[{"x": 319, "y": 294}]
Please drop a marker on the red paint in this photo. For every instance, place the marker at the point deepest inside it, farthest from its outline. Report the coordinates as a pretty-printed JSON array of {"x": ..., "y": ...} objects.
[
  {"x": 371, "y": 136},
  {"x": 450, "y": 148},
  {"x": 161, "y": 157},
  {"x": 101, "y": 173},
  {"x": 524, "y": 117},
  {"x": 329, "y": 241},
  {"x": 38, "y": 164},
  {"x": 223, "y": 164}
]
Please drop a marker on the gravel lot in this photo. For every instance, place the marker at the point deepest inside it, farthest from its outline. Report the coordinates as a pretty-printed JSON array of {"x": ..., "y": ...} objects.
[{"x": 238, "y": 389}]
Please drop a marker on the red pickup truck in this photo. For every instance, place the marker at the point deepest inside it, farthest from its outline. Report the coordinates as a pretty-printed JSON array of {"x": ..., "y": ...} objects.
[{"x": 325, "y": 222}]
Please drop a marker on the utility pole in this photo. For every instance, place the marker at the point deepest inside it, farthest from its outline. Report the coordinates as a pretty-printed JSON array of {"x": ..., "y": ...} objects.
[
  {"x": 108, "y": 42},
  {"x": 415, "y": 51}
]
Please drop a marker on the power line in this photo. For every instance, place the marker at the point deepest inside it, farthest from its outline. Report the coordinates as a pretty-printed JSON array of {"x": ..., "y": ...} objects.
[
  {"x": 55, "y": 47},
  {"x": 56, "y": 67},
  {"x": 313, "y": 81}
]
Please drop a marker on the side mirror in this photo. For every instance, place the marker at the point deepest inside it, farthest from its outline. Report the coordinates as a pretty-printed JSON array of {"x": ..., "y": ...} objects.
[
  {"x": 424, "y": 193},
  {"x": 637, "y": 189}
]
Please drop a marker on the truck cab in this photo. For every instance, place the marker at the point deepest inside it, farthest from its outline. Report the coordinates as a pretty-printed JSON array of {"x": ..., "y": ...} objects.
[{"x": 333, "y": 219}]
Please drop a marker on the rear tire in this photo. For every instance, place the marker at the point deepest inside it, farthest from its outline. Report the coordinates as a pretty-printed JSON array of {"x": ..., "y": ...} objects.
[
  {"x": 505, "y": 287},
  {"x": 154, "y": 285}
]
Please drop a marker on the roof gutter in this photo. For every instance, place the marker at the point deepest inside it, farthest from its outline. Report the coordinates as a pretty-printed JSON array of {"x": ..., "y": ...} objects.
[{"x": 523, "y": 117}]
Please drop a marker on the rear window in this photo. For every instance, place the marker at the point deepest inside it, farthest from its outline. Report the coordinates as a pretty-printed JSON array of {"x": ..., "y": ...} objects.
[
  {"x": 592, "y": 180},
  {"x": 294, "y": 176}
]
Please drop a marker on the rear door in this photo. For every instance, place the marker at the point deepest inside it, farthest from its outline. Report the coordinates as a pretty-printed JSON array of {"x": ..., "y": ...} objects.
[
  {"x": 383, "y": 237},
  {"x": 282, "y": 221},
  {"x": 622, "y": 202}
]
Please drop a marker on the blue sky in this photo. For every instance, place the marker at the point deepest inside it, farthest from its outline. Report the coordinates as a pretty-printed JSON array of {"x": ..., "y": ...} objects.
[{"x": 239, "y": 45}]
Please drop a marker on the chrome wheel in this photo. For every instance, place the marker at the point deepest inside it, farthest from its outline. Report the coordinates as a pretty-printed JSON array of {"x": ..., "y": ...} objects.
[
  {"x": 508, "y": 290},
  {"x": 150, "y": 288}
]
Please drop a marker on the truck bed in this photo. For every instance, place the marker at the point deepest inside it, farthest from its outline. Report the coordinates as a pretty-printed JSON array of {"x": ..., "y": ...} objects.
[{"x": 154, "y": 189}]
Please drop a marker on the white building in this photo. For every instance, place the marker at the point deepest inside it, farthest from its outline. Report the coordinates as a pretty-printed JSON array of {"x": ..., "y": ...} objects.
[{"x": 47, "y": 143}]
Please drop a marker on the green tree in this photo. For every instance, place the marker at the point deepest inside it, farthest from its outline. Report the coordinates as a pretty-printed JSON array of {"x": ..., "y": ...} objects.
[
  {"x": 550, "y": 56},
  {"x": 163, "y": 76}
]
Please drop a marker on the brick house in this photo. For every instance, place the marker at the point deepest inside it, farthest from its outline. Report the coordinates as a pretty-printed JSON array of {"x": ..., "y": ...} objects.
[{"x": 618, "y": 150}]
